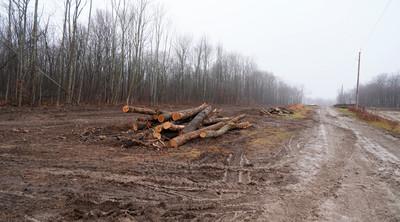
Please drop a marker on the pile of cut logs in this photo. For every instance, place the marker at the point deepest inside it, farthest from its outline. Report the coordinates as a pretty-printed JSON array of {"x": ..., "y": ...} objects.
[
  {"x": 160, "y": 128},
  {"x": 276, "y": 111}
]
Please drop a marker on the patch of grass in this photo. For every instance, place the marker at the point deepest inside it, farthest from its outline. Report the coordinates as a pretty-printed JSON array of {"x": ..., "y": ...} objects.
[
  {"x": 394, "y": 128},
  {"x": 269, "y": 137},
  {"x": 346, "y": 112},
  {"x": 300, "y": 113}
]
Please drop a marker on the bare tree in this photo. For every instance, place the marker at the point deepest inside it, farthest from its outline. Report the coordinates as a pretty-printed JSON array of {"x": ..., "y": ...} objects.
[
  {"x": 382, "y": 91},
  {"x": 127, "y": 54}
]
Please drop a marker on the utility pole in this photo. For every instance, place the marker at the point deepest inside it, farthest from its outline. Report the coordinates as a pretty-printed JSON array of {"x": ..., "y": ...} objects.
[{"x": 358, "y": 79}]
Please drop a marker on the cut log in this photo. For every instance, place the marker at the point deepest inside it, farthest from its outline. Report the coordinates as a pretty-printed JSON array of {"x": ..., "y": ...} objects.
[
  {"x": 139, "y": 125},
  {"x": 264, "y": 112},
  {"x": 158, "y": 128},
  {"x": 197, "y": 121},
  {"x": 145, "y": 118},
  {"x": 215, "y": 120},
  {"x": 172, "y": 127},
  {"x": 164, "y": 116},
  {"x": 224, "y": 129},
  {"x": 156, "y": 135},
  {"x": 184, "y": 114},
  {"x": 215, "y": 113},
  {"x": 132, "y": 109},
  {"x": 286, "y": 110},
  {"x": 238, "y": 118},
  {"x": 184, "y": 138}
]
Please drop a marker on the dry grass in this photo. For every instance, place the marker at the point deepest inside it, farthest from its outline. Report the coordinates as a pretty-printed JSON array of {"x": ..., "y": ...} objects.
[
  {"x": 300, "y": 112},
  {"x": 346, "y": 112},
  {"x": 196, "y": 152},
  {"x": 372, "y": 119},
  {"x": 269, "y": 136}
]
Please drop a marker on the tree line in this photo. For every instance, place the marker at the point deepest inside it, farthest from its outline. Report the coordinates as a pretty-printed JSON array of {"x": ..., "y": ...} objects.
[
  {"x": 123, "y": 54},
  {"x": 382, "y": 91}
]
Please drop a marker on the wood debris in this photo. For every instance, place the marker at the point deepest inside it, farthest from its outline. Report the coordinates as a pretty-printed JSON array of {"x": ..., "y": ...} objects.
[
  {"x": 161, "y": 129},
  {"x": 276, "y": 111}
]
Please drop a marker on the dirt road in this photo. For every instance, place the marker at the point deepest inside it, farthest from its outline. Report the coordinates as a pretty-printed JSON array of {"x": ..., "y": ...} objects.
[
  {"x": 329, "y": 168},
  {"x": 347, "y": 171}
]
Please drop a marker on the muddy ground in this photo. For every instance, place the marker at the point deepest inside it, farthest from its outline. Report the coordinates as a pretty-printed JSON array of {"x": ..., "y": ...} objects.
[
  {"x": 326, "y": 167},
  {"x": 390, "y": 114}
]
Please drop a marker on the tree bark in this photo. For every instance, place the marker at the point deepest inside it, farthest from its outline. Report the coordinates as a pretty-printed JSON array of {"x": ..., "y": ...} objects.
[
  {"x": 132, "y": 109},
  {"x": 238, "y": 118},
  {"x": 164, "y": 116},
  {"x": 215, "y": 120},
  {"x": 34, "y": 53},
  {"x": 172, "y": 127},
  {"x": 198, "y": 120},
  {"x": 224, "y": 129},
  {"x": 138, "y": 125},
  {"x": 184, "y": 114},
  {"x": 184, "y": 138},
  {"x": 145, "y": 118}
]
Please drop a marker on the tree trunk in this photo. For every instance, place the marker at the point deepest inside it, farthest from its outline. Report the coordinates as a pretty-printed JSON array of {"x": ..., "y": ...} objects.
[
  {"x": 132, "y": 109},
  {"x": 224, "y": 129},
  {"x": 184, "y": 114},
  {"x": 184, "y": 138},
  {"x": 145, "y": 118},
  {"x": 197, "y": 121},
  {"x": 215, "y": 120},
  {"x": 34, "y": 54}
]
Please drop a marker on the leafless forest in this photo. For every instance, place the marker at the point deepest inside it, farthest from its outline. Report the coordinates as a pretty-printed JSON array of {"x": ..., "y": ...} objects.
[
  {"x": 382, "y": 91},
  {"x": 125, "y": 54},
  {"x": 109, "y": 113}
]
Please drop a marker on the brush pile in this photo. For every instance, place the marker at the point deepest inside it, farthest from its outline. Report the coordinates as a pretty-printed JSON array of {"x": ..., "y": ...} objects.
[
  {"x": 160, "y": 128},
  {"x": 276, "y": 111}
]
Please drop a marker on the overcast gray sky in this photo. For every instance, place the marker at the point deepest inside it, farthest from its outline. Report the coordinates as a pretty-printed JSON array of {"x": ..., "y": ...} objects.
[{"x": 313, "y": 43}]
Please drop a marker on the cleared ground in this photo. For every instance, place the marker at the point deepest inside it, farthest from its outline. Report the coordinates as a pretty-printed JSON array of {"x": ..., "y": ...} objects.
[{"x": 324, "y": 168}]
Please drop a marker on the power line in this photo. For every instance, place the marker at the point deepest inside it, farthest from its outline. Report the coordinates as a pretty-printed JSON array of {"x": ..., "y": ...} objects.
[
  {"x": 365, "y": 44},
  {"x": 369, "y": 36}
]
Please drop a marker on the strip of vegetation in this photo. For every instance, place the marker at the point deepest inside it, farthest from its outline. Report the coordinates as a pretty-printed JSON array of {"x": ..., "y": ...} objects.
[
  {"x": 372, "y": 119},
  {"x": 300, "y": 112}
]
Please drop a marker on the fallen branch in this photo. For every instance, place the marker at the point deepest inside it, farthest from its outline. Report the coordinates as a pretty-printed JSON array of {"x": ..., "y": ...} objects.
[
  {"x": 172, "y": 127},
  {"x": 224, "y": 129}
]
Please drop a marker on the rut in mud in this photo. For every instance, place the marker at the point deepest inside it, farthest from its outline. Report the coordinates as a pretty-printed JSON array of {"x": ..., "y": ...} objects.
[{"x": 329, "y": 168}]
